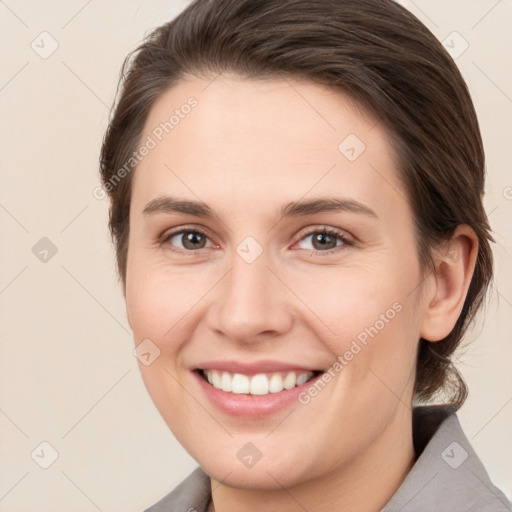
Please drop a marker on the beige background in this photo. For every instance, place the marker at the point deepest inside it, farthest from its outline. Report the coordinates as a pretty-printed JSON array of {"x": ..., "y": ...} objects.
[{"x": 67, "y": 372}]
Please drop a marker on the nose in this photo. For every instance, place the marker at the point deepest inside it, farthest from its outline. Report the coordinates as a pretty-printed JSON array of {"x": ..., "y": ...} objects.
[{"x": 251, "y": 304}]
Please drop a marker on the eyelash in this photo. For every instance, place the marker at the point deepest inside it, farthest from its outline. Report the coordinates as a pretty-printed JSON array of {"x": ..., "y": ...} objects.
[{"x": 346, "y": 241}]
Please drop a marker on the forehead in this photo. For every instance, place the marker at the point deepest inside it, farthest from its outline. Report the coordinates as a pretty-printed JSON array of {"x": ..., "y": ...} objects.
[{"x": 274, "y": 137}]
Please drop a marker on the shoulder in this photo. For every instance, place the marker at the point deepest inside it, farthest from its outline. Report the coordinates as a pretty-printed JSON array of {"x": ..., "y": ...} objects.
[
  {"x": 191, "y": 495},
  {"x": 447, "y": 476}
]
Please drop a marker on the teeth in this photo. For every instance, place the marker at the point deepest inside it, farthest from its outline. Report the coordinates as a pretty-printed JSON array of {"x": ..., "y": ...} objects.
[
  {"x": 225, "y": 383},
  {"x": 260, "y": 384},
  {"x": 216, "y": 380},
  {"x": 239, "y": 384},
  {"x": 301, "y": 378},
  {"x": 290, "y": 381},
  {"x": 276, "y": 383}
]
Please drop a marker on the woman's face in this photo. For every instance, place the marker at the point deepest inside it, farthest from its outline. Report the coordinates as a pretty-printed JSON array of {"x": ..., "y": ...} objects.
[{"x": 229, "y": 271}]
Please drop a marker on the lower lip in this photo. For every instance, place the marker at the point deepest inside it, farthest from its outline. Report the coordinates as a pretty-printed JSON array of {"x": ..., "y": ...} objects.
[{"x": 251, "y": 406}]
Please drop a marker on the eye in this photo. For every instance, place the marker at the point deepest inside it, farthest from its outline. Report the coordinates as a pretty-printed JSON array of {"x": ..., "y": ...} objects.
[
  {"x": 325, "y": 240},
  {"x": 187, "y": 240}
]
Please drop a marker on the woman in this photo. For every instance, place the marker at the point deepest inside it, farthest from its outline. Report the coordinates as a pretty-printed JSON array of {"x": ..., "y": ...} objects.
[{"x": 296, "y": 205}]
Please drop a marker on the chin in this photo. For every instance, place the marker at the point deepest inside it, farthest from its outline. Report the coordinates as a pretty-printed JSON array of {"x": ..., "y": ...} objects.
[{"x": 242, "y": 465}]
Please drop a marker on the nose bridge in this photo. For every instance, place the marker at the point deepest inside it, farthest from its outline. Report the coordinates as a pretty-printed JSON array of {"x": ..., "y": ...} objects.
[
  {"x": 246, "y": 283},
  {"x": 249, "y": 302}
]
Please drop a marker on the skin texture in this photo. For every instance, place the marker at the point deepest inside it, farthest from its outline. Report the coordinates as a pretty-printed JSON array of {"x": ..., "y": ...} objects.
[{"x": 247, "y": 148}]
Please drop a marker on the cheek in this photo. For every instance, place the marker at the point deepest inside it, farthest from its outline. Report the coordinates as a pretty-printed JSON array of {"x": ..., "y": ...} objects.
[
  {"x": 161, "y": 302},
  {"x": 369, "y": 321},
  {"x": 352, "y": 303}
]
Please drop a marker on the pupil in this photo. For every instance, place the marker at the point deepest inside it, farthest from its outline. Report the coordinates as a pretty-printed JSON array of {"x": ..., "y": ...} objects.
[
  {"x": 322, "y": 239},
  {"x": 191, "y": 240}
]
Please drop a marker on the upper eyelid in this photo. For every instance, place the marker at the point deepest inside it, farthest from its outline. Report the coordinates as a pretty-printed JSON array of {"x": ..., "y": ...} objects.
[{"x": 320, "y": 228}]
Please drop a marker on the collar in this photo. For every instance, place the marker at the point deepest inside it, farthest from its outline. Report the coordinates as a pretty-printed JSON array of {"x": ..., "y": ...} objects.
[{"x": 447, "y": 476}]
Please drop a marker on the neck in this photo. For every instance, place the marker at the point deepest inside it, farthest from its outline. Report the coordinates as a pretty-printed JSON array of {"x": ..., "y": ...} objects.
[{"x": 365, "y": 484}]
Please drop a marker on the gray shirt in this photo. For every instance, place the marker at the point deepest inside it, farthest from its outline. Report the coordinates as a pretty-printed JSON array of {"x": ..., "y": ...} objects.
[{"x": 447, "y": 476}]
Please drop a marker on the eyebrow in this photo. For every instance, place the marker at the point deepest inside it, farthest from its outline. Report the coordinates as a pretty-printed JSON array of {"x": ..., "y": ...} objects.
[{"x": 167, "y": 204}]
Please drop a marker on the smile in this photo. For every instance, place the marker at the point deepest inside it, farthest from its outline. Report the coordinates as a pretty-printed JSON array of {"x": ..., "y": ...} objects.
[{"x": 259, "y": 384}]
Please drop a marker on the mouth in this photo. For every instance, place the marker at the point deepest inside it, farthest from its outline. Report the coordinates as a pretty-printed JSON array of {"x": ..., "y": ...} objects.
[{"x": 259, "y": 384}]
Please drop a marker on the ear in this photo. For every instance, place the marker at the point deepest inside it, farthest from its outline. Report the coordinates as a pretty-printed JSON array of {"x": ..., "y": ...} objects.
[{"x": 454, "y": 266}]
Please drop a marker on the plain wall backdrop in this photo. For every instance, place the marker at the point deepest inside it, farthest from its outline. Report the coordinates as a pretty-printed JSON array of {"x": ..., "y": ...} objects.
[{"x": 68, "y": 376}]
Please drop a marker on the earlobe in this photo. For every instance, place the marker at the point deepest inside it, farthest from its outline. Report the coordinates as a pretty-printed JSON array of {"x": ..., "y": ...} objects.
[{"x": 454, "y": 266}]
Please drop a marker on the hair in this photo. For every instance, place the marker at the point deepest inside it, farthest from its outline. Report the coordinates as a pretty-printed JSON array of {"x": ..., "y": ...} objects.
[{"x": 373, "y": 51}]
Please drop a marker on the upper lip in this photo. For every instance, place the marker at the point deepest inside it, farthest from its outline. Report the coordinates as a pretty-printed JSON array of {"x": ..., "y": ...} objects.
[{"x": 253, "y": 367}]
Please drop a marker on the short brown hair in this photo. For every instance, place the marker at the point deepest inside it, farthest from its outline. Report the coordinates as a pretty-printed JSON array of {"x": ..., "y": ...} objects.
[{"x": 374, "y": 51}]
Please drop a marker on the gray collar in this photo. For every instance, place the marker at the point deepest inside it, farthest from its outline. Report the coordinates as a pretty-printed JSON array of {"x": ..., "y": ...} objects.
[{"x": 446, "y": 477}]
